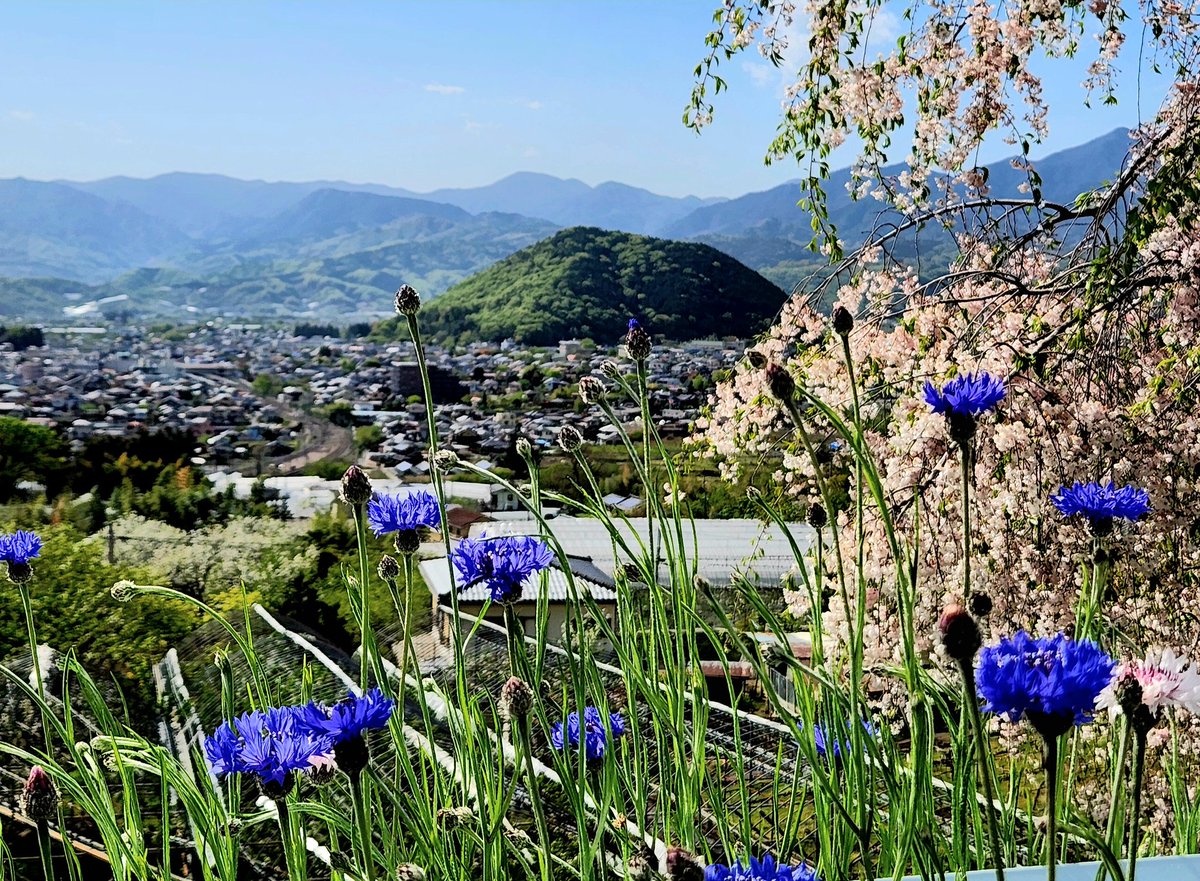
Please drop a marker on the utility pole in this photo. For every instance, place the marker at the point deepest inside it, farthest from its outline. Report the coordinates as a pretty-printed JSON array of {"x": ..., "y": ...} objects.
[{"x": 112, "y": 545}]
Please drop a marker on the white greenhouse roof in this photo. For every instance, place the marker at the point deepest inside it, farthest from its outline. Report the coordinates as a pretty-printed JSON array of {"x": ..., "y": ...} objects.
[
  {"x": 436, "y": 574},
  {"x": 758, "y": 550}
]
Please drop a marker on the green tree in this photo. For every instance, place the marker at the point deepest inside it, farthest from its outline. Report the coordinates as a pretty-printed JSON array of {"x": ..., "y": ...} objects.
[{"x": 29, "y": 452}]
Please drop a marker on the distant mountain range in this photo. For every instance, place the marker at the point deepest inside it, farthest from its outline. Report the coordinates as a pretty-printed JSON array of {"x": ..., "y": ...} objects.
[{"x": 209, "y": 244}]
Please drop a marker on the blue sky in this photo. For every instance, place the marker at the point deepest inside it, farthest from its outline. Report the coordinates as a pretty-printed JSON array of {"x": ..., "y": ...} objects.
[{"x": 417, "y": 95}]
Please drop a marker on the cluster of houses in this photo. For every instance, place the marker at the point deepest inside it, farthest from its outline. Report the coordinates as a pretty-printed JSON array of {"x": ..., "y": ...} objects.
[
  {"x": 490, "y": 394},
  {"x": 115, "y": 382},
  {"x": 116, "y": 386}
]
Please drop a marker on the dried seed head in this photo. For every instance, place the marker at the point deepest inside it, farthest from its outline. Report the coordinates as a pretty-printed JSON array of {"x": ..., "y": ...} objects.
[
  {"x": 408, "y": 301},
  {"x": 960, "y": 633},
  {"x": 356, "y": 486},
  {"x": 409, "y": 872}
]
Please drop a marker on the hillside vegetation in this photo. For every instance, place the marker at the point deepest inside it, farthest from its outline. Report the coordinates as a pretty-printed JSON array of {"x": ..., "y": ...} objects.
[{"x": 588, "y": 282}]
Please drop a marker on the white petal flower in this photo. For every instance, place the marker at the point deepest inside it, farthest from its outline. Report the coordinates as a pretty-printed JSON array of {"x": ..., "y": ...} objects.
[{"x": 1166, "y": 679}]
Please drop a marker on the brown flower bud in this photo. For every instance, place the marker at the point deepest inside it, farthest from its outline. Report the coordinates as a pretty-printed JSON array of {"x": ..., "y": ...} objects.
[
  {"x": 683, "y": 865},
  {"x": 356, "y": 486},
  {"x": 817, "y": 517},
  {"x": 516, "y": 698},
  {"x": 960, "y": 633},
  {"x": 756, "y": 358},
  {"x": 780, "y": 382},
  {"x": 39, "y": 798},
  {"x": 843, "y": 321},
  {"x": 637, "y": 342},
  {"x": 409, "y": 872}
]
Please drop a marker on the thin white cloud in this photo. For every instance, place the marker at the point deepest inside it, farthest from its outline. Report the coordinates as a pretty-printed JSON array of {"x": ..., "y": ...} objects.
[
  {"x": 21, "y": 115},
  {"x": 534, "y": 105},
  {"x": 442, "y": 89},
  {"x": 762, "y": 74}
]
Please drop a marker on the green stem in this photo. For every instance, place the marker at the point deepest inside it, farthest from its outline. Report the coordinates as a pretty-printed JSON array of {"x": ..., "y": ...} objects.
[
  {"x": 295, "y": 868},
  {"x": 1135, "y": 823},
  {"x": 1050, "y": 759},
  {"x": 43, "y": 836},
  {"x": 985, "y": 769},
  {"x": 535, "y": 799},
  {"x": 358, "y": 793},
  {"x": 364, "y": 596},
  {"x": 965, "y": 448},
  {"x": 31, "y": 634},
  {"x": 407, "y": 619},
  {"x": 1116, "y": 803}
]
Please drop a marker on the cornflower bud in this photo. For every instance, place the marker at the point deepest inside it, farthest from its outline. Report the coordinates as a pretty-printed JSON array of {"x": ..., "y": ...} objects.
[
  {"x": 780, "y": 382},
  {"x": 843, "y": 321},
  {"x": 569, "y": 438},
  {"x": 637, "y": 341},
  {"x": 516, "y": 698},
  {"x": 960, "y": 633},
  {"x": 409, "y": 872},
  {"x": 408, "y": 301},
  {"x": 39, "y": 798},
  {"x": 817, "y": 518},
  {"x": 356, "y": 486},
  {"x": 389, "y": 568},
  {"x": 591, "y": 390},
  {"x": 756, "y": 358}
]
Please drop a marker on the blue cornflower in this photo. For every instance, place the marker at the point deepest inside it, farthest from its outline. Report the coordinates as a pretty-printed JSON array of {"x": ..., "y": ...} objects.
[
  {"x": 20, "y": 547},
  {"x": 828, "y": 742},
  {"x": 967, "y": 395},
  {"x": 1101, "y": 503},
  {"x": 766, "y": 869},
  {"x": 1053, "y": 681},
  {"x": 348, "y": 718},
  {"x": 16, "y": 550},
  {"x": 270, "y": 744},
  {"x": 405, "y": 516},
  {"x": 502, "y": 563},
  {"x": 590, "y": 729},
  {"x": 345, "y": 723}
]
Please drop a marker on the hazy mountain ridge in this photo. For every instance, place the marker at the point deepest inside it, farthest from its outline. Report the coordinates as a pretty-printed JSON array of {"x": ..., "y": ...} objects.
[{"x": 222, "y": 245}]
